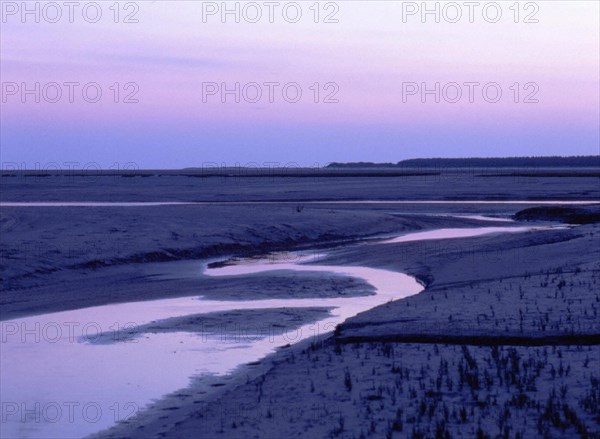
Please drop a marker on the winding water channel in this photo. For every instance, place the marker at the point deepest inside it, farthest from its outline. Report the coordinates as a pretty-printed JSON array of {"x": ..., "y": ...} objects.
[{"x": 57, "y": 381}]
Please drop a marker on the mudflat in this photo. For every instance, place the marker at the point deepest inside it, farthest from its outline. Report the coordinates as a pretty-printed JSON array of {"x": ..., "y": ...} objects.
[{"x": 503, "y": 338}]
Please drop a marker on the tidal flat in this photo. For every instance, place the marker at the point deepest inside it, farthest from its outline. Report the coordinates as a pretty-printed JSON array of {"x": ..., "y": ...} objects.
[{"x": 502, "y": 341}]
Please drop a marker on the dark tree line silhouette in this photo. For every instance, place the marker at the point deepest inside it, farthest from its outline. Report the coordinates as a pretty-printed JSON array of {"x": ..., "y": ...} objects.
[{"x": 482, "y": 162}]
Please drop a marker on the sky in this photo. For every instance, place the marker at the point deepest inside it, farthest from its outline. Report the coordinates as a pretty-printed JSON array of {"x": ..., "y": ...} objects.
[{"x": 171, "y": 84}]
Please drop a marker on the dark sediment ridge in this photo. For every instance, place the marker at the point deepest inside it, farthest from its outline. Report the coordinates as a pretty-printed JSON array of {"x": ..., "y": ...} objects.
[{"x": 567, "y": 215}]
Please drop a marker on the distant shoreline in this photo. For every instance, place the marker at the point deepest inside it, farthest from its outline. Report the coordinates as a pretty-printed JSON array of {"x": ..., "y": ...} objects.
[
  {"x": 348, "y": 170},
  {"x": 590, "y": 161}
]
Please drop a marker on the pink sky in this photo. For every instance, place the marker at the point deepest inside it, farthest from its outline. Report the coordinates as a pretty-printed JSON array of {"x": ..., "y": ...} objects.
[{"x": 369, "y": 53}]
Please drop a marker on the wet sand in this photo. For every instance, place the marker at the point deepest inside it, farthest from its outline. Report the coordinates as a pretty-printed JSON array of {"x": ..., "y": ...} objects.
[
  {"x": 521, "y": 289},
  {"x": 485, "y": 303}
]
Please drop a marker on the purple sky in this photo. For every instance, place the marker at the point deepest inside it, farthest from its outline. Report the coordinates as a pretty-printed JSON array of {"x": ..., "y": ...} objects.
[{"x": 365, "y": 61}]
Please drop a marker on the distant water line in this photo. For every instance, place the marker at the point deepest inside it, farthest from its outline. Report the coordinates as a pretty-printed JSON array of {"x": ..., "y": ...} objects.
[{"x": 237, "y": 203}]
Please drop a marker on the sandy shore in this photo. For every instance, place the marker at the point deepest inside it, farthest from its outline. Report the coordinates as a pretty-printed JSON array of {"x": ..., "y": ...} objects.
[
  {"x": 421, "y": 365},
  {"x": 502, "y": 342},
  {"x": 79, "y": 262}
]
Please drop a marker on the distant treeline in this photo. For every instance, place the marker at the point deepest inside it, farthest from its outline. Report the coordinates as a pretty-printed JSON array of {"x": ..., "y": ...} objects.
[{"x": 482, "y": 162}]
